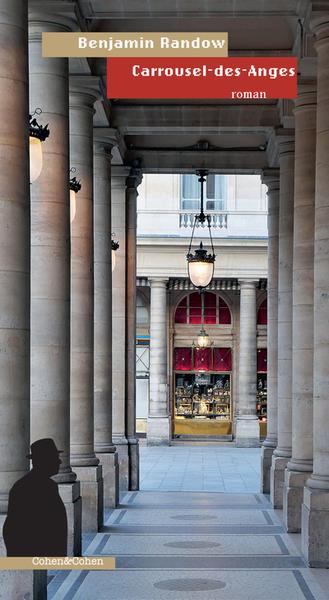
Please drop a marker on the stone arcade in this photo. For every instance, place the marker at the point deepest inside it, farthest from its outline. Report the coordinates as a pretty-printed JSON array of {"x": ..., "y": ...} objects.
[{"x": 65, "y": 365}]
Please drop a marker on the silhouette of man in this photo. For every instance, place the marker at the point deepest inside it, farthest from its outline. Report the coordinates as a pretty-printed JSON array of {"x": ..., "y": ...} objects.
[{"x": 36, "y": 523}]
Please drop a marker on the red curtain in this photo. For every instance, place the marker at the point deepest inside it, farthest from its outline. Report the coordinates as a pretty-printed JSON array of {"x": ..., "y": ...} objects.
[
  {"x": 183, "y": 359},
  {"x": 222, "y": 359},
  {"x": 181, "y": 311},
  {"x": 224, "y": 312},
  {"x": 209, "y": 308},
  {"x": 202, "y": 359},
  {"x": 195, "y": 308},
  {"x": 262, "y": 359},
  {"x": 262, "y": 314}
]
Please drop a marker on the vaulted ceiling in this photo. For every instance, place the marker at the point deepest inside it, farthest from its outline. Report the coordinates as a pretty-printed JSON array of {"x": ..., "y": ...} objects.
[{"x": 182, "y": 135}]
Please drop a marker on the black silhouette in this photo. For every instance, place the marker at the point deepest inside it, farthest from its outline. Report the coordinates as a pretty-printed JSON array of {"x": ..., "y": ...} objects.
[{"x": 36, "y": 523}]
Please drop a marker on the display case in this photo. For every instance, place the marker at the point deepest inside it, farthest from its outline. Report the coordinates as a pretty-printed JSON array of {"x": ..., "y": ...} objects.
[
  {"x": 203, "y": 396},
  {"x": 202, "y": 404},
  {"x": 261, "y": 403}
]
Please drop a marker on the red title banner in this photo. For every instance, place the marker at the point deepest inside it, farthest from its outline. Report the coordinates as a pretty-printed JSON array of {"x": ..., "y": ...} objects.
[{"x": 235, "y": 78}]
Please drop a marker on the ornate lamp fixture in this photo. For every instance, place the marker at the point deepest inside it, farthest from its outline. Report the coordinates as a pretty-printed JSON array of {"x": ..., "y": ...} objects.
[
  {"x": 75, "y": 187},
  {"x": 203, "y": 339},
  {"x": 38, "y": 134},
  {"x": 201, "y": 263},
  {"x": 114, "y": 247}
]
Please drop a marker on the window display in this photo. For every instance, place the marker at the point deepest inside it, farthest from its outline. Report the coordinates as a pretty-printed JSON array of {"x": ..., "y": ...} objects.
[
  {"x": 203, "y": 396},
  {"x": 262, "y": 396}
]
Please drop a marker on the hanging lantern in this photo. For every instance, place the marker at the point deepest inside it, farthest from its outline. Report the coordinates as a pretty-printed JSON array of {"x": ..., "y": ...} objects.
[
  {"x": 37, "y": 135},
  {"x": 203, "y": 339},
  {"x": 114, "y": 247},
  {"x": 75, "y": 187},
  {"x": 201, "y": 263}
]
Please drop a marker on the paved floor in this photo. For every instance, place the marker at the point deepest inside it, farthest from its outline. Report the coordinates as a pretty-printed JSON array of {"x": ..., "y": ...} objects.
[
  {"x": 194, "y": 468},
  {"x": 179, "y": 544}
]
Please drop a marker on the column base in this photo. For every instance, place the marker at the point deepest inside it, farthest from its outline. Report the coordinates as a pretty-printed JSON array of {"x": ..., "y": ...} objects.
[
  {"x": 121, "y": 445},
  {"x": 293, "y": 491},
  {"x": 159, "y": 431},
  {"x": 247, "y": 433},
  {"x": 110, "y": 466},
  {"x": 91, "y": 485},
  {"x": 265, "y": 468},
  {"x": 278, "y": 466},
  {"x": 315, "y": 527},
  {"x": 70, "y": 494},
  {"x": 133, "y": 456}
]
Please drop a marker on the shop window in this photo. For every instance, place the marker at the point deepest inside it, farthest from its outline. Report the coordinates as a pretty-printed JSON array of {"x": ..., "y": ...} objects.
[
  {"x": 210, "y": 309},
  {"x": 262, "y": 314},
  {"x": 181, "y": 312},
  {"x": 195, "y": 308},
  {"x": 222, "y": 359},
  {"x": 224, "y": 313},
  {"x": 262, "y": 360},
  {"x": 216, "y": 310},
  {"x": 183, "y": 359},
  {"x": 202, "y": 359}
]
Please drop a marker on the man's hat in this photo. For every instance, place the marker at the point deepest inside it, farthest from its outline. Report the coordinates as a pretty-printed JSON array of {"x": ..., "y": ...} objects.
[{"x": 43, "y": 448}]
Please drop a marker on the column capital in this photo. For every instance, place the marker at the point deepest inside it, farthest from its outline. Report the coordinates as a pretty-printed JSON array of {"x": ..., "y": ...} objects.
[
  {"x": 135, "y": 176},
  {"x": 271, "y": 178},
  {"x": 160, "y": 282},
  {"x": 285, "y": 139},
  {"x": 319, "y": 22},
  {"x": 307, "y": 96},
  {"x": 248, "y": 283},
  {"x": 51, "y": 15},
  {"x": 105, "y": 138},
  {"x": 84, "y": 91}
]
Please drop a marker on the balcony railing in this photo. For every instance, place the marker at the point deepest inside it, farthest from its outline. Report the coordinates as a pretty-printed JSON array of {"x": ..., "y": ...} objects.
[{"x": 219, "y": 220}]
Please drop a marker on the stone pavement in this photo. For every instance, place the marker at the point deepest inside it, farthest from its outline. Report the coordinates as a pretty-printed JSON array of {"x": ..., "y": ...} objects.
[{"x": 202, "y": 545}]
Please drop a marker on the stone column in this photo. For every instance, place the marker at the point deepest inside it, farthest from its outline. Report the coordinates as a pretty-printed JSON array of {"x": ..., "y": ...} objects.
[
  {"x": 132, "y": 182},
  {"x": 14, "y": 273},
  {"x": 299, "y": 467},
  {"x": 50, "y": 265},
  {"x": 282, "y": 453},
  {"x": 247, "y": 426},
  {"x": 315, "y": 513},
  {"x": 83, "y": 93},
  {"x": 105, "y": 450},
  {"x": 118, "y": 202},
  {"x": 272, "y": 179},
  {"x": 158, "y": 422}
]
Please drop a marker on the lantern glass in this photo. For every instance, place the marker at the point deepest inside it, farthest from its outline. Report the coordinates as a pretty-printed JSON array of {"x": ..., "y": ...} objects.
[
  {"x": 113, "y": 260},
  {"x": 73, "y": 205},
  {"x": 200, "y": 273},
  {"x": 35, "y": 158},
  {"x": 203, "y": 339}
]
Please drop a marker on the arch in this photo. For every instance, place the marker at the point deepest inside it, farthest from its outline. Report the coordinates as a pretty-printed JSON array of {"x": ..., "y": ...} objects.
[
  {"x": 262, "y": 313},
  {"x": 216, "y": 310}
]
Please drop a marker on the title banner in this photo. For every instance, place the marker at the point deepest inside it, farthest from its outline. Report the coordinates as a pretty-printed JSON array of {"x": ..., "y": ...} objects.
[
  {"x": 242, "y": 78},
  {"x": 149, "y": 44}
]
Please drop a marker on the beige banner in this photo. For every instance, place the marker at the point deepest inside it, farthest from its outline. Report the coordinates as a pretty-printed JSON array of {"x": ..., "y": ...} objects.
[
  {"x": 147, "y": 44},
  {"x": 62, "y": 563}
]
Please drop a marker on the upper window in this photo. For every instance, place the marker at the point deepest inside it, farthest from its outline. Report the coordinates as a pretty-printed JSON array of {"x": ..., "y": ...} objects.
[
  {"x": 262, "y": 314},
  {"x": 215, "y": 192},
  {"x": 215, "y": 310}
]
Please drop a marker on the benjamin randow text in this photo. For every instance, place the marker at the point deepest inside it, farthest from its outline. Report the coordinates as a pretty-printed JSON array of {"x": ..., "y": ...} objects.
[
  {"x": 132, "y": 44},
  {"x": 142, "y": 43}
]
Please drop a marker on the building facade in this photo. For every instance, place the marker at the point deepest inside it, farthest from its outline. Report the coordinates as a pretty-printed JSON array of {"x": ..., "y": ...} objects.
[{"x": 200, "y": 387}]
